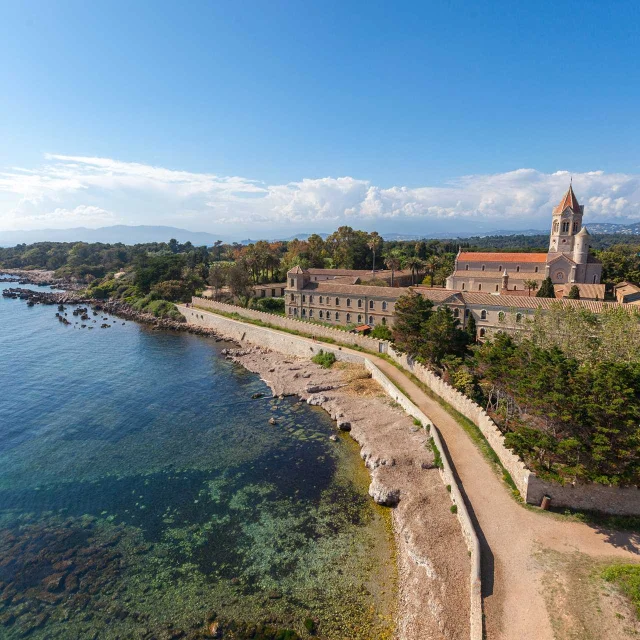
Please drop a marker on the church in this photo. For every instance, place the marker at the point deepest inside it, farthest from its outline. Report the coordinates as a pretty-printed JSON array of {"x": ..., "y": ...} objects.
[{"x": 567, "y": 262}]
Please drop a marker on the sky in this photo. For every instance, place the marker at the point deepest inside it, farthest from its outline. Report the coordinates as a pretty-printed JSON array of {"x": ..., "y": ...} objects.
[{"x": 263, "y": 118}]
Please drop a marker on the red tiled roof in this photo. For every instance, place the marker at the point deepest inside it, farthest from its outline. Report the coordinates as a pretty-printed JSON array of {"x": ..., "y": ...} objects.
[
  {"x": 470, "y": 256},
  {"x": 569, "y": 200}
]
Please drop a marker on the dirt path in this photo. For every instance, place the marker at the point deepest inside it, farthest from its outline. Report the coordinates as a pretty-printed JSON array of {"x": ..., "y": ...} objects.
[{"x": 511, "y": 535}]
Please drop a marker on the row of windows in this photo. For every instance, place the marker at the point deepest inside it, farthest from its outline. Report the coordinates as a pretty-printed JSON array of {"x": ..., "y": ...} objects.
[
  {"x": 322, "y": 299},
  {"x": 566, "y": 226},
  {"x": 535, "y": 270},
  {"x": 327, "y": 315}
]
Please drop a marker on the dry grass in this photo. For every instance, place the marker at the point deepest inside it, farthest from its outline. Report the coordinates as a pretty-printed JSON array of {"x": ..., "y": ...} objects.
[{"x": 358, "y": 379}]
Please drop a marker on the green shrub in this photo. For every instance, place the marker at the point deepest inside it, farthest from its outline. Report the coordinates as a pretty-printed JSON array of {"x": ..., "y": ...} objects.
[
  {"x": 324, "y": 359},
  {"x": 271, "y": 305},
  {"x": 454, "y": 508},
  {"x": 437, "y": 458},
  {"x": 381, "y": 332}
]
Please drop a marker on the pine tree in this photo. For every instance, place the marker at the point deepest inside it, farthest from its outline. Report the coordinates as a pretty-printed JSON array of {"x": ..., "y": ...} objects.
[
  {"x": 546, "y": 289},
  {"x": 574, "y": 293},
  {"x": 471, "y": 328}
]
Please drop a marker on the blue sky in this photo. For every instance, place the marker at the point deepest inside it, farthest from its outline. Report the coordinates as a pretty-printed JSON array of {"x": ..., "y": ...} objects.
[{"x": 238, "y": 116}]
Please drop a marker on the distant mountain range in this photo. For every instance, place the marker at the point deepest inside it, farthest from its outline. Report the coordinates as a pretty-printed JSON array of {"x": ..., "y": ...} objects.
[{"x": 146, "y": 233}]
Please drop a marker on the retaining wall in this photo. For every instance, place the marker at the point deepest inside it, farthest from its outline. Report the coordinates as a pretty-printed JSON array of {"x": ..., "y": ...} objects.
[{"x": 305, "y": 347}]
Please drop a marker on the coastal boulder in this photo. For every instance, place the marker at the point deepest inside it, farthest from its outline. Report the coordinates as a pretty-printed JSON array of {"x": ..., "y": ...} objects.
[{"x": 384, "y": 495}]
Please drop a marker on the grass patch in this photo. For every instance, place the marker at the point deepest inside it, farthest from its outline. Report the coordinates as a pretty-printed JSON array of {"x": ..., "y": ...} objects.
[
  {"x": 437, "y": 458},
  {"x": 627, "y": 578},
  {"x": 454, "y": 508},
  {"x": 603, "y": 520},
  {"x": 325, "y": 359}
]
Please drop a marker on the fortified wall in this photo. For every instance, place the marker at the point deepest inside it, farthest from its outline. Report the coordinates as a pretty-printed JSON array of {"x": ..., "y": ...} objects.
[{"x": 591, "y": 497}]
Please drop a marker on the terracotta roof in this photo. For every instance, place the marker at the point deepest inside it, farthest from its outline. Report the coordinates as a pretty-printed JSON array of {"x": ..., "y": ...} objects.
[
  {"x": 497, "y": 275},
  {"x": 438, "y": 295},
  {"x": 534, "y": 303},
  {"x": 331, "y": 287},
  {"x": 356, "y": 272},
  {"x": 626, "y": 287},
  {"x": 568, "y": 200},
  {"x": 503, "y": 258},
  {"x": 296, "y": 269}
]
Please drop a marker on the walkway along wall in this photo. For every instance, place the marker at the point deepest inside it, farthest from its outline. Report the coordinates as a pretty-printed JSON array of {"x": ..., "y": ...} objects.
[
  {"x": 306, "y": 348},
  {"x": 591, "y": 497}
]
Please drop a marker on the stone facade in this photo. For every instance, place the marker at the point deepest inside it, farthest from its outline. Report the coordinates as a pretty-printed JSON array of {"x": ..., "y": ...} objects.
[{"x": 567, "y": 262}]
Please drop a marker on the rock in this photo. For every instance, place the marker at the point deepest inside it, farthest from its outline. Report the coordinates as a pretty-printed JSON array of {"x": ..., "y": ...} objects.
[
  {"x": 316, "y": 401},
  {"x": 255, "y": 396},
  {"x": 214, "y": 629},
  {"x": 273, "y": 421},
  {"x": 343, "y": 425},
  {"x": 384, "y": 495},
  {"x": 333, "y": 437},
  {"x": 315, "y": 388}
]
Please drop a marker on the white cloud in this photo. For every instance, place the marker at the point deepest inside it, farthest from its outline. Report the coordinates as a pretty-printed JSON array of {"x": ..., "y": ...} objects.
[{"x": 59, "y": 192}]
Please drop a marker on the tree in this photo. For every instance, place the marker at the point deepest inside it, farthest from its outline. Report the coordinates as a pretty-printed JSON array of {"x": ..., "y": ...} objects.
[
  {"x": 546, "y": 289},
  {"x": 414, "y": 264},
  {"x": 471, "y": 329},
  {"x": 531, "y": 285},
  {"x": 374, "y": 243},
  {"x": 393, "y": 262},
  {"x": 217, "y": 278},
  {"x": 574, "y": 293},
  {"x": 381, "y": 332},
  {"x": 173, "y": 290},
  {"x": 411, "y": 314},
  {"x": 239, "y": 281},
  {"x": 442, "y": 337}
]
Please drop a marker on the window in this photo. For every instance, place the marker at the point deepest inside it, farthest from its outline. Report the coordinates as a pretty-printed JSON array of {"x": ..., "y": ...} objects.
[
  {"x": 263, "y": 293},
  {"x": 310, "y": 299},
  {"x": 518, "y": 269},
  {"x": 575, "y": 227},
  {"x": 304, "y": 313},
  {"x": 290, "y": 310},
  {"x": 595, "y": 279},
  {"x": 359, "y": 318},
  {"x": 456, "y": 313},
  {"x": 466, "y": 267},
  {"x": 384, "y": 306},
  {"x": 273, "y": 293},
  {"x": 348, "y": 317},
  {"x": 311, "y": 313},
  {"x": 321, "y": 314},
  {"x": 304, "y": 298},
  {"x": 518, "y": 317},
  {"x": 359, "y": 304},
  {"x": 555, "y": 226},
  {"x": 384, "y": 321},
  {"x": 501, "y": 316},
  {"x": 500, "y": 268},
  {"x": 480, "y": 287},
  {"x": 337, "y": 316},
  {"x": 462, "y": 286},
  {"x": 348, "y": 302},
  {"x": 565, "y": 227},
  {"x": 370, "y": 319},
  {"x": 483, "y": 267},
  {"x": 497, "y": 288},
  {"x": 291, "y": 282},
  {"x": 337, "y": 302},
  {"x": 292, "y": 297},
  {"x": 371, "y": 305},
  {"x": 536, "y": 270},
  {"x": 320, "y": 299},
  {"x": 466, "y": 313},
  {"x": 483, "y": 314},
  {"x": 295, "y": 312},
  {"x": 328, "y": 315},
  {"x": 482, "y": 332}
]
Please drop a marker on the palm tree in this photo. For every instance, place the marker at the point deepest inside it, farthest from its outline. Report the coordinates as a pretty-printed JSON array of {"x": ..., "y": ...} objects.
[
  {"x": 531, "y": 285},
  {"x": 392, "y": 261},
  {"x": 432, "y": 264},
  {"x": 415, "y": 264},
  {"x": 374, "y": 243}
]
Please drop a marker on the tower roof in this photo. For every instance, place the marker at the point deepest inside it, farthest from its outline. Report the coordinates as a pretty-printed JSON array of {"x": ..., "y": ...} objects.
[
  {"x": 584, "y": 232},
  {"x": 569, "y": 200},
  {"x": 296, "y": 269}
]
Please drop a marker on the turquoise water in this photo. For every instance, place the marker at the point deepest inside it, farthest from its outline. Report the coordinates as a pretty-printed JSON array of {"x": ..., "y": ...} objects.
[{"x": 144, "y": 494}]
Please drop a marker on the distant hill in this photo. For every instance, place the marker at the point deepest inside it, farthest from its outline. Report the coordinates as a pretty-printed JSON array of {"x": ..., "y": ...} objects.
[
  {"x": 608, "y": 227},
  {"x": 109, "y": 235}
]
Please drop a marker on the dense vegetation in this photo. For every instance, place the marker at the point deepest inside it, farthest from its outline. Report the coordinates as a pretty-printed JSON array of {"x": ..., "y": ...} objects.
[{"x": 566, "y": 394}]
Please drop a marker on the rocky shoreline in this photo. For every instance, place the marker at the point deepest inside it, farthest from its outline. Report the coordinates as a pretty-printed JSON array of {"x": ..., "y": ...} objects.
[
  {"x": 40, "y": 277},
  {"x": 432, "y": 557}
]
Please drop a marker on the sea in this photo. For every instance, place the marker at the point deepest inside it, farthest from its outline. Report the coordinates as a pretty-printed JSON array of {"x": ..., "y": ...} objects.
[{"x": 144, "y": 494}]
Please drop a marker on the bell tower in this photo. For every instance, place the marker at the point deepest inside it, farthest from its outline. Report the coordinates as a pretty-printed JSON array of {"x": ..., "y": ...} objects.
[{"x": 566, "y": 224}]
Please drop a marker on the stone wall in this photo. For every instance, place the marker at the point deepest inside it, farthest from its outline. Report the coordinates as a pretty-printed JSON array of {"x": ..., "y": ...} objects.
[
  {"x": 306, "y": 348},
  {"x": 371, "y": 344}
]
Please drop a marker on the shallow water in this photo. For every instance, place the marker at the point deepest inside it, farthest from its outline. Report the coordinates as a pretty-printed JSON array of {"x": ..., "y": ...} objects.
[{"x": 143, "y": 492}]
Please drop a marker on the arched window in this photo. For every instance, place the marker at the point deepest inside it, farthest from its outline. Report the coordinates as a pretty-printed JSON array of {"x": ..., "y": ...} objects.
[
  {"x": 320, "y": 299},
  {"x": 483, "y": 267},
  {"x": 337, "y": 302},
  {"x": 321, "y": 314},
  {"x": 304, "y": 313},
  {"x": 501, "y": 316},
  {"x": 466, "y": 267},
  {"x": 565, "y": 227},
  {"x": 295, "y": 312},
  {"x": 462, "y": 286},
  {"x": 555, "y": 226},
  {"x": 371, "y": 304},
  {"x": 518, "y": 317},
  {"x": 311, "y": 313},
  {"x": 348, "y": 317},
  {"x": 384, "y": 321},
  {"x": 536, "y": 270},
  {"x": 348, "y": 302},
  {"x": 370, "y": 319},
  {"x": 310, "y": 299},
  {"x": 359, "y": 304},
  {"x": 595, "y": 279},
  {"x": 384, "y": 306},
  {"x": 480, "y": 287},
  {"x": 359, "y": 318},
  {"x": 500, "y": 268},
  {"x": 483, "y": 314},
  {"x": 483, "y": 332},
  {"x": 292, "y": 297},
  {"x": 304, "y": 298},
  {"x": 337, "y": 316},
  {"x": 575, "y": 227},
  {"x": 518, "y": 268},
  {"x": 497, "y": 288}
]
